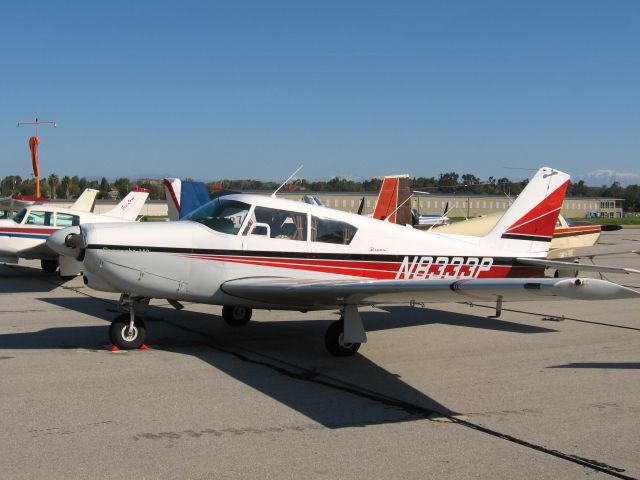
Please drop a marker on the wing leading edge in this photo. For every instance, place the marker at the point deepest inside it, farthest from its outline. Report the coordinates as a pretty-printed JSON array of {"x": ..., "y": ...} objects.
[{"x": 331, "y": 293}]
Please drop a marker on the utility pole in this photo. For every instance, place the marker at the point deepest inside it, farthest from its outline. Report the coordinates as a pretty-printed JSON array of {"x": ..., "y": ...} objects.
[{"x": 33, "y": 146}]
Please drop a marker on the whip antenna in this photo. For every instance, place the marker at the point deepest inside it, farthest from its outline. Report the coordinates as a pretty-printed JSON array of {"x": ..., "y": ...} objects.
[{"x": 285, "y": 182}]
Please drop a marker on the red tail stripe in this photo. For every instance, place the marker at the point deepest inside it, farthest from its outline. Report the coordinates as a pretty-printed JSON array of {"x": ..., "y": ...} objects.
[{"x": 541, "y": 220}]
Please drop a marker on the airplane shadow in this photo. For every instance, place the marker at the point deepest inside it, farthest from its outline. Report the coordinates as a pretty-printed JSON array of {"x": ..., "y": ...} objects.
[
  {"x": 283, "y": 359},
  {"x": 21, "y": 280},
  {"x": 612, "y": 365},
  {"x": 403, "y": 316}
]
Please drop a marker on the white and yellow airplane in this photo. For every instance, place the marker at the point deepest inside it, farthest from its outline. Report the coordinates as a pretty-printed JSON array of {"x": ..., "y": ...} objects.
[
  {"x": 245, "y": 251},
  {"x": 25, "y": 234}
]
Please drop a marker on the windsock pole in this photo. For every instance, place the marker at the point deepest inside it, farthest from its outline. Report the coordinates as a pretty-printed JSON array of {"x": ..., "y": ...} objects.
[{"x": 33, "y": 147}]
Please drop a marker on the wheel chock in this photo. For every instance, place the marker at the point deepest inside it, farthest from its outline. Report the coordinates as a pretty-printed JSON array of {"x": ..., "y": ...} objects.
[
  {"x": 114, "y": 348},
  {"x": 143, "y": 347}
]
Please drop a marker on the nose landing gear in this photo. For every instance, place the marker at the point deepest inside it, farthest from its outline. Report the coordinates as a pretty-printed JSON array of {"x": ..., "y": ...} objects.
[{"x": 128, "y": 330}]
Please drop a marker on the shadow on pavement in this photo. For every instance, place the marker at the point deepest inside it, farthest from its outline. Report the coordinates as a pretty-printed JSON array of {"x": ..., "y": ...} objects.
[{"x": 283, "y": 359}]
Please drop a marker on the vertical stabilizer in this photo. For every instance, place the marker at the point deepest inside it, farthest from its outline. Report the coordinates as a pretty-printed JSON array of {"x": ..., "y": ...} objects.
[
  {"x": 392, "y": 204},
  {"x": 86, "y": 202},
  {"x": 130, "y": 206},
  {"x": 172, "y": 189},
  {"x": 528, "y": 225}
]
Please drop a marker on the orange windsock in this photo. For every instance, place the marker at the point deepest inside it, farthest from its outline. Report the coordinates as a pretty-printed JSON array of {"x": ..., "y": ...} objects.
[{"x": 33, "y": 145}]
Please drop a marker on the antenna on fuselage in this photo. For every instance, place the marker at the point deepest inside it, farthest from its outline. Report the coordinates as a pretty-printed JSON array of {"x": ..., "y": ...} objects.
[
  {"x": 398, "y": 208},
  {"x": 285, "y": 182}
]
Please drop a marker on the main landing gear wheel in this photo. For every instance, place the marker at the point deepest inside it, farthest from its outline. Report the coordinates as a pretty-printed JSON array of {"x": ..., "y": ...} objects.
[
  {"x": 125, "y": 338},
  {"x": 333, "y": 340},
  {"x": 236, "y": 316},
  {"x": 49, "y": 266}
]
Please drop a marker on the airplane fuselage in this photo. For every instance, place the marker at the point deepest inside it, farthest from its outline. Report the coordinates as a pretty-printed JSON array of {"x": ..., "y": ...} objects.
[{"x": 191, "y": 261}]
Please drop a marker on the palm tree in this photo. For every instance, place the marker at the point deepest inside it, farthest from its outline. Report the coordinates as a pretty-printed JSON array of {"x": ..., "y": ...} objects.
[{"x": 53, "y": 183}]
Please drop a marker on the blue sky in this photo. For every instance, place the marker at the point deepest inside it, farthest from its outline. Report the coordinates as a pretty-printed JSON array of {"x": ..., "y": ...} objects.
[{"x": 253, "y": 89}]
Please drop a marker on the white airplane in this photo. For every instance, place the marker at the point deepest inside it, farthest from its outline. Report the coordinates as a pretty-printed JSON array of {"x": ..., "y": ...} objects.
[
  {"x": 245, "y": 251},
  {"x": 25, "y": 234}
]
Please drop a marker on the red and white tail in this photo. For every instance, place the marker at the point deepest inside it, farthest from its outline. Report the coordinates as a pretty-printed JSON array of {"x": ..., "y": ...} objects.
[
  {"x": 172, "y": 191},
  {"x": 528, "y": 225}
]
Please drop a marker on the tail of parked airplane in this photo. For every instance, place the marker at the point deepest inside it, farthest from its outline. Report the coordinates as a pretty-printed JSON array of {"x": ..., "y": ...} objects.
[
  {"x": 528, "y": 225},
  {"x": 392, "y": 204},
  {"x": 86, "y": 202},
  {"x": 184, "y": 197},
  {"x": 130, "y": 206}
]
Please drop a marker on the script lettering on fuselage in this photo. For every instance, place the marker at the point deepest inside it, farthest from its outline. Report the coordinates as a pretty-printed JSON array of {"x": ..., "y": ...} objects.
[{"x": 421, "y": 268}]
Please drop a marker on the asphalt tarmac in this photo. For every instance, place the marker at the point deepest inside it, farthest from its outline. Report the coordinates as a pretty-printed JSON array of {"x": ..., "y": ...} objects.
[{"x": 548, "y": 390}]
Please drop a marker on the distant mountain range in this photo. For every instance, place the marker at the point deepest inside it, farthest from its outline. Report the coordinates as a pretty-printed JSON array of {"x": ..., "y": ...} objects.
[{"x": 597, "y": 178}]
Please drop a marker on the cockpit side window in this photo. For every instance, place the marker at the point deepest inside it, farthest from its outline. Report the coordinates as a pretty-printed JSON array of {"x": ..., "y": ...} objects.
[
  {"x": 326, "y": 230},
  {"x": 222, "y": 215},
  {"x": 276, "y": 223},
  {"x": 39, "y": 218}
]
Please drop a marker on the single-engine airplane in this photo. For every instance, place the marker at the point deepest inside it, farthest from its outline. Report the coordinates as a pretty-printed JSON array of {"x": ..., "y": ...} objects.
[
  {"x": 25, "y": 234},
  {"x": 245, "y": 251}
]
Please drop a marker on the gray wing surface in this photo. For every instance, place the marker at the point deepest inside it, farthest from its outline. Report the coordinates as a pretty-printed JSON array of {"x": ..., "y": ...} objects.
[{"x": 330, "y": 293}]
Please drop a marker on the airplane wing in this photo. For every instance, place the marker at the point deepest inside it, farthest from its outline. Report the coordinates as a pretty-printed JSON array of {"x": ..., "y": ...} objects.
[{"x": 324, "y": 293}]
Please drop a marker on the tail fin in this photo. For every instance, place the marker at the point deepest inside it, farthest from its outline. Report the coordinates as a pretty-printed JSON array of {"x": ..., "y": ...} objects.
[
  {"x": 130, "y": 206},
  {"x": 392, "y": 204},
  {"x": 172, "y": 189},
  {"x": 528, "y": 225},
  {"x": 86, "y": 202},
  {"x": 193, "y": 195},
  {"x": 184, "y": 197}
]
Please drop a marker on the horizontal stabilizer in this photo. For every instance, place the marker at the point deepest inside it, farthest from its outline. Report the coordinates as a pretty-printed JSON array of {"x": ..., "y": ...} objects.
[
  {"x": 575, "y": 266},
  {"x": 594, "y": 251}
]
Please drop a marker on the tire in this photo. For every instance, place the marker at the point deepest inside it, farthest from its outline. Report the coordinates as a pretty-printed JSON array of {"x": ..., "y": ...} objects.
[
  {"x": 118, "y": 332},
  {"x": 49, "y": 266},
  {"x": 333, "y": 341},
  {"x": 236, "y": 316}
]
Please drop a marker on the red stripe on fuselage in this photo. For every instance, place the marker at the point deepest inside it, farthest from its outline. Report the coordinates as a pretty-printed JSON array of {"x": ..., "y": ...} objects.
[
  {"x": 373, "y": 270},
  {"x": 41, "y": 231}
]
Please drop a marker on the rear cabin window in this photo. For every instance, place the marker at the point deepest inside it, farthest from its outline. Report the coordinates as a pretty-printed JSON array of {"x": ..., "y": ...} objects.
[
  {"x": 276, "y": 223},
  {"x": 226, "y": 216},
  {"x": 39, "y": 218},
  {"x": 325, "y": 230},
  {"x": 67, "y": 220}
]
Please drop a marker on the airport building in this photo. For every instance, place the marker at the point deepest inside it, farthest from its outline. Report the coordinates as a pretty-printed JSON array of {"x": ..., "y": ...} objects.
[
  {"x": 435, "y": 204},
  {"x": 465, "y": 205}
]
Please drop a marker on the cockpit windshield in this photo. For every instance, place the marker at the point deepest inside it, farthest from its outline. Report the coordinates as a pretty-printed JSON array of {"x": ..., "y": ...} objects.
[
  {"x": 18, "y": 217},
  {"x": 222, "y": 215}
]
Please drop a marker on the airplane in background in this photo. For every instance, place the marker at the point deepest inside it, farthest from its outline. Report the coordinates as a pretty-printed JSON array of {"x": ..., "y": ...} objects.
[
  {"x": 25, "y": 234},
  {"x": 12, "y": 203},
  {"x": 245, "y": 251},
  {"x": 392, "y": 205},
  {"x": 184, "y": 197}
]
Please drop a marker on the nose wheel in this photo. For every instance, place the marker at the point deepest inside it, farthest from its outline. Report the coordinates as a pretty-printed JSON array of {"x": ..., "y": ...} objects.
[
  {"x": 334, "y": 341},
  {"x": 236, "y": 316},
  {"x": 126, "y": 336}
]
